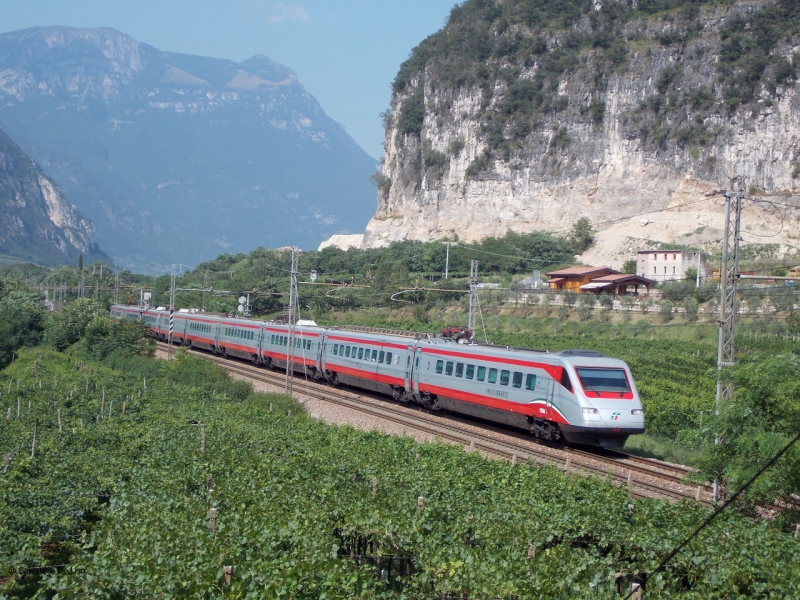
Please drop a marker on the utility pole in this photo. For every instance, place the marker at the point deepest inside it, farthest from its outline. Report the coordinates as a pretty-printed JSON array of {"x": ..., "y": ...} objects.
[
  {"x": 116, "y": 287},
  {"x": 292, "y": 318},
  {"x": 171, "y": 310},
  {"x": 728, "y": 276},
  {"x": 697, "y": 284},
  {"x": 447, "y": 260},
  {"x": 473, "y": 294},
  {"x": 205, "y": 289}
]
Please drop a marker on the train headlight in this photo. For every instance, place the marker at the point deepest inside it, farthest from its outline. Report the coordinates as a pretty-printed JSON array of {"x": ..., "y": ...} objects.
[
  {"x": 637, "y": 411},
  {"x": 589, "y": 411}
]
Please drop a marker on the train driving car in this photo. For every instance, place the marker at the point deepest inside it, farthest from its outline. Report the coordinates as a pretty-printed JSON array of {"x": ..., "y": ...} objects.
[
  {"x": 603, "y": 404},
  {"x": 577, "y": 396}
]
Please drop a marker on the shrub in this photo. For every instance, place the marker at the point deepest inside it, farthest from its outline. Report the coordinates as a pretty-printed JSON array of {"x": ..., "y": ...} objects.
[
  {"x": 569, "y": 298},
  {"x": 629, "y": 267},
  {"x": 690, "y": 309},
  {"x": 582, "y": 236},
  {"x": 67, "y": 327},
  {"x": 677, "y": 291},
  {"x": 665, "y": 310},
  {"x": 606, "y": 301}
]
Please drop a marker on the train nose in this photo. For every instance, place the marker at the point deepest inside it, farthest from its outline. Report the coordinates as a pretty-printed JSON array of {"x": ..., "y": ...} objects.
[{"x": 616, "y": 418}]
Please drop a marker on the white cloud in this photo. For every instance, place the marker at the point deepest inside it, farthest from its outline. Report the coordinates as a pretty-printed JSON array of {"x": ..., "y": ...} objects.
[
  {"x": 274, "y": 13},
  {"x": 281, "y": 13}
]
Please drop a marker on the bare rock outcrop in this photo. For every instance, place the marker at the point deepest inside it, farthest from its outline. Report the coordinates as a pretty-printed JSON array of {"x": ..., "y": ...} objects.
[{"x": 657, "y": 140}]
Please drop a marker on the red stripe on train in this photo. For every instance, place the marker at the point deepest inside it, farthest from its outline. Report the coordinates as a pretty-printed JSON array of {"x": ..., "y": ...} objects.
[
  {"x": 379, "y": 377},
  {"x": 528, "y": 409}
]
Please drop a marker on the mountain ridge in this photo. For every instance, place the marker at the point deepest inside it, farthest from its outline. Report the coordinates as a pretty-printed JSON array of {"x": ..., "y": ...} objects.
[{"x": 177, "y": 157}]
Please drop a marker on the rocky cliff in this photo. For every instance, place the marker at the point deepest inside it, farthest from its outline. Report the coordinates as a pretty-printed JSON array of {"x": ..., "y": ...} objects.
[
  {"x": 37, "y": 223},
  {"x": 527, "y": 115},
  {"x": 177, "y": 158}
]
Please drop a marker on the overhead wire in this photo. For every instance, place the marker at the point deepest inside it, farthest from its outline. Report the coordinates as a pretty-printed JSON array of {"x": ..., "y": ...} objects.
[{"x": 663, "y": 564}]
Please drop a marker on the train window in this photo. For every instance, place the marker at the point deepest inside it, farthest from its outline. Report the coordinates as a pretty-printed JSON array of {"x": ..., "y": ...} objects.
[
  {"x": 439, "y": 366},
  {"x": 565, "y": 380},
  {"x": 388, "y": 358},
  {"x": 517, "y": 381},
  {"x": 603, "y": 380},
  {"x": 408, "y": 360},
  {"x": 360, "y": 353},
  {"x": 347, "y": 351},
  {"x": 459, "y": 369},
  {"x": 381, "y": 356},
  {"x": 417, "y": 365},
  {"x": 504, "y": 377},
  {"x": 470, "y": 371},
  {"x": 448, "y": 368},
  {"x": 492, "y": 376},
  {"x": 336, "y": 348},
  {"x": 374, "y": 356},
  {"x": 530, "y": 382},
  {"x": 481, "y": 373}
]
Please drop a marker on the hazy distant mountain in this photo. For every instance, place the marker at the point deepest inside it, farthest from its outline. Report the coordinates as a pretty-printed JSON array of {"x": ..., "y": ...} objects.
[
  {"x": 178, "y": 158},
  {"x": 37, "y": 223}
]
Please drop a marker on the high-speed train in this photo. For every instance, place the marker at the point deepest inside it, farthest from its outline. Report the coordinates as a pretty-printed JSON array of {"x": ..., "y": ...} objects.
[{"x": 579, "y": 396}]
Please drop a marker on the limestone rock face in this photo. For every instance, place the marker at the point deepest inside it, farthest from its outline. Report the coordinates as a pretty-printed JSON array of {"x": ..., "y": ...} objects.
[
  {"x": 573, "y": 164},
  {"x": 343, "y": 241},
  {"x": 37, "y": 222}
]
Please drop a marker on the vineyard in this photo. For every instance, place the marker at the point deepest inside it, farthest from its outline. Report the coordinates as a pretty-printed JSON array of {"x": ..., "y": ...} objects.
[{"x": 165, "y": 480}]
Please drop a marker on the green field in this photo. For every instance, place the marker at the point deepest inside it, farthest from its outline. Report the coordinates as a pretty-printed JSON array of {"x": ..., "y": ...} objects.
[{"x": 119, "y": 507}]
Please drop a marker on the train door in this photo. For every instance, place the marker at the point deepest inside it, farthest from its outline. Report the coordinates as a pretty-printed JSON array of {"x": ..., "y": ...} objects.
[
  {"x": 416, "y": 369},
  {"x": 408, "y": 367},
  {"x": 217, "y": 331}
]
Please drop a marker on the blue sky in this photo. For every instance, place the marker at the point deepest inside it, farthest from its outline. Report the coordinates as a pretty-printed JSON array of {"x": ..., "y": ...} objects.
[{"x": 346, "y": 52}]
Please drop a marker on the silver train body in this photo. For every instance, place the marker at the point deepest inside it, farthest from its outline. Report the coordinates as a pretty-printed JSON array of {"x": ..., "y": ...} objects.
[{"x": 575, "y": 395}]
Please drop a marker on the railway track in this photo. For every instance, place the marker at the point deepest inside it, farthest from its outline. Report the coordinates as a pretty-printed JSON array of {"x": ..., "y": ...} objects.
[{"x": 646, "y": 478}]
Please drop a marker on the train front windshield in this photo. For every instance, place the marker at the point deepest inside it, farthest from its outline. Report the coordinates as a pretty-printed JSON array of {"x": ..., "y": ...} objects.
[{"x": 603, "y": 380}]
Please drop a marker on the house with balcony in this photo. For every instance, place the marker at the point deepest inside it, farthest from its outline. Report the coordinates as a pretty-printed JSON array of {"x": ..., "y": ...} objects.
[{"x": 597, "y": 280}]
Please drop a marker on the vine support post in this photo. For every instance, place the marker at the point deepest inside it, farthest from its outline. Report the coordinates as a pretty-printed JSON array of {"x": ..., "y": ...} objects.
[
  {"x": 33, "y": 443},
  {"x": 202, "y": 438},
  {"x": 58, "y": 414},
  {"x": 212, "y": 520}
]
